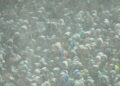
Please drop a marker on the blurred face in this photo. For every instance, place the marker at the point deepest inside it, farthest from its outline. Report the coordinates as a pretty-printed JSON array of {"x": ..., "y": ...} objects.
[{"x": 98, "y": 59}]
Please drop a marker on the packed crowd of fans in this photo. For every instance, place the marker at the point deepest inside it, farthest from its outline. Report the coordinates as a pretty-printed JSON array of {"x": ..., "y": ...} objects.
[{"x": 59, "y": 43}]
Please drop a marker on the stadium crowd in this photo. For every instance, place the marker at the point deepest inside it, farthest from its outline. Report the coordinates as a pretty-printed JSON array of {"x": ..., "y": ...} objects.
[{"x": 59, "y": 43}]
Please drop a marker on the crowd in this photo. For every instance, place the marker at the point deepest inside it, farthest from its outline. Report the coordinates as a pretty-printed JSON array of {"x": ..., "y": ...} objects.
[{"x": 59, "y": 43}]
